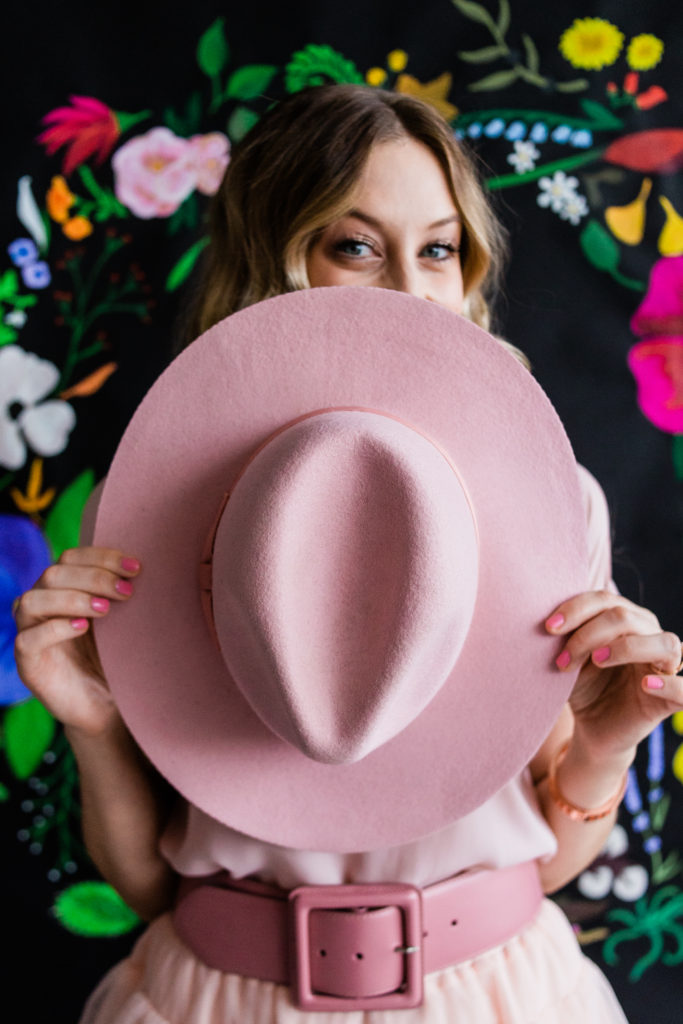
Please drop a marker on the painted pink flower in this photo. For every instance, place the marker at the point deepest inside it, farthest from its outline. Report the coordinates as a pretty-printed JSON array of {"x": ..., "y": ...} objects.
[
  {"x": 211, "y": 154},
  {"x": 656, "y": 362},
  {"x": 154, "y": 173}
]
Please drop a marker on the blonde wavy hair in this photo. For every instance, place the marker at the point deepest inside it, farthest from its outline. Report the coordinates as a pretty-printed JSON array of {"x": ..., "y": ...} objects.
[{"x": 296, "y": 172}]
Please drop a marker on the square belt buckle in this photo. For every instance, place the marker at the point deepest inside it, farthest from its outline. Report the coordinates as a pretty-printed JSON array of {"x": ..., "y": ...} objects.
[{"x": 406, "y": 898}]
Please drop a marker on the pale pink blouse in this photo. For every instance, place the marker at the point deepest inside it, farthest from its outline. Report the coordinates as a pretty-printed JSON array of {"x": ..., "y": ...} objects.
[{"x": 507, "y": 829}]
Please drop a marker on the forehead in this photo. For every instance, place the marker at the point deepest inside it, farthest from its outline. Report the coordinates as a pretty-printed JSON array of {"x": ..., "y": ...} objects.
[{"x": 404, "y": 172}]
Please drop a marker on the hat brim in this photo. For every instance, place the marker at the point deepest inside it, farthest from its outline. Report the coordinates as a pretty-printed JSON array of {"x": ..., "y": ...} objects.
[{"x": 208, "y": 412}]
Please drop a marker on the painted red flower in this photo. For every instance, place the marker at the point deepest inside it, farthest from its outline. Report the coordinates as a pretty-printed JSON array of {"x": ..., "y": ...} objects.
[
  {"x": 87, "y": 129},
  {"x": 656, "y": 362}
]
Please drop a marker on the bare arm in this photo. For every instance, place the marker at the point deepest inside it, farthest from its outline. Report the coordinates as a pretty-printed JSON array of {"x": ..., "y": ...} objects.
[
  {"x": 625, "y": 687},
  {"x": 125, "y": 803}
]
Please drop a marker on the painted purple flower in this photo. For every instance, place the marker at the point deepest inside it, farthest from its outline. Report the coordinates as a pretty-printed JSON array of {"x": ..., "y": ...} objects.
[
  {"x": 24, "y": 555},
  {"x": 656, "y": 362},
  {"x": 22, "y": 251},
  {"x": 36, "y": 275}
]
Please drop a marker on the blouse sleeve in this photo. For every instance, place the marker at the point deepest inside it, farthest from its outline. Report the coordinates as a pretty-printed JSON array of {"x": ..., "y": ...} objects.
[{"x": 599, "y": 534}]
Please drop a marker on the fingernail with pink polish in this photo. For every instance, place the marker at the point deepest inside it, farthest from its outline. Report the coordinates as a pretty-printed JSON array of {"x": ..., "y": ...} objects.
[
  {"x": 602, "y": 654},
  {"x": 124, "y": 587},
  {"x": 79, "y": 623},
  {"x": 563, "y": 660},
  {"x": 130, "y": 564},
  {"x": 555, "y": 621},
  {"x": 99, "y": 604},
  {"x": 654, "y": 683}
]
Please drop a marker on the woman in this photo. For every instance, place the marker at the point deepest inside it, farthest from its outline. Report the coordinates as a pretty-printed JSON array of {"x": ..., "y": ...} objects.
[{"x": 347, "y": 185}]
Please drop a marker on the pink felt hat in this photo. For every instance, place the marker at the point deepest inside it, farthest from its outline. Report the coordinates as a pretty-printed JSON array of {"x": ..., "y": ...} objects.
[{"x": 354, "y": 511}]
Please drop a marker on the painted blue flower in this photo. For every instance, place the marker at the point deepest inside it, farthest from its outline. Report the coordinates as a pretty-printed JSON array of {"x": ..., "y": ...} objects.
[
  {"x": 22, "y": 252},
  {"x": 474, "y": 130},
  {"x": 561, "y": 133},
  {"x": 494, "y": 128},
  {"x": 539, "y": 132},
  {"x": 24, "y": 555},
  {"x": 582, "y": 138},
  {"x": 36, "y": 275}
]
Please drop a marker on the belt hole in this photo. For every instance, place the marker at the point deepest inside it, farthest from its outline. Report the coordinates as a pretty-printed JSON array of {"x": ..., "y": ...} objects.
[
  {"x": 359, "y": 956},
  {"x": 453, "y": 923},
  {"x": 323, "y": 952}
]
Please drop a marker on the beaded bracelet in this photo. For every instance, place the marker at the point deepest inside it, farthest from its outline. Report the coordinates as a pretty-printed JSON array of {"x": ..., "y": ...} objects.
[{"x": 573, "y": 812}]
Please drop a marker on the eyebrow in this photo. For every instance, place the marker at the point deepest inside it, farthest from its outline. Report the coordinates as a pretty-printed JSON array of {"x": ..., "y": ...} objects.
[{"x": 373, "y": 222}]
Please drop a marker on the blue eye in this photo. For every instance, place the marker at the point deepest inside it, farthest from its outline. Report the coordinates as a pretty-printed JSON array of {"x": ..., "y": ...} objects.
[
  {"x": 440, "y": 250},
  {"x": 354, "y": 247}
]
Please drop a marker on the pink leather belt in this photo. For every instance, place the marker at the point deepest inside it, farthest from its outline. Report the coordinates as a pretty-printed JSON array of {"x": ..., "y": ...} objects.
[{"x": 353, "y": 947}]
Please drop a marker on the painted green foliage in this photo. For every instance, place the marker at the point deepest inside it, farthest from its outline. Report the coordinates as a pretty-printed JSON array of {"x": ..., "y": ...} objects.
[
  {"x": 94, "y": 910},
  {"x": 28, "y": 731}
]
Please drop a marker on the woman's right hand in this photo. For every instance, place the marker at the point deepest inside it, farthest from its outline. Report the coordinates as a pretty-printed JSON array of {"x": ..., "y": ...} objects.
[{"x": 55, "y": 648}]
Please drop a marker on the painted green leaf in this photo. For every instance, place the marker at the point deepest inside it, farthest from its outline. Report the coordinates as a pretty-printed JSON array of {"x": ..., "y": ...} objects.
[
  {"x": 212, "y": 49},
  {"x": 63, "y": 524},
  {"x": 578, "y": 85},
  {"x": 183, "y": 268},
  {"x": 24, "y": 301},
  {"x": 313, "y": 64},
  {"x": 249, "y": 82},
  {"x": 9, "y": 284},
  {"x": 193, "y": 114},
  {"x": 4, "y": 793},
  {"x": 599, "y": 247},
  {"x": 481, "y": 56},
  {"x": 172, "y": 121},
  {"x": 241, "y": 121},
  {"x": 503, "y": 16},
  {"x": 94, "y": 909},
  {"x": 678, "y": 455},
  {"x": 475, "y": 12},
  {"x": 7, "y": 335},
  {"x": 533, "y": 61},
  {"x": 29, "y": 729},
  {"x": 599, "y": 115},
  {"x": 498, "y": 80}
]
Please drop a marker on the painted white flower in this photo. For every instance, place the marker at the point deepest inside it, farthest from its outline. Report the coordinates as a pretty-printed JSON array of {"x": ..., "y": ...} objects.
[
  {"x": 556, "y": 191},
  {"x": 524, "y": 157},
  {"x": 16, "y": 318},
  {"x": 574, "y": 208},
  {"x": 25, "y": 419},
  {"x": 627, "y": 881}
]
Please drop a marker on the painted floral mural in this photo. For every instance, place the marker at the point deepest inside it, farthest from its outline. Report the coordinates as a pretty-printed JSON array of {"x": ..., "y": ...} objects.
[{"x": 110, "y": 187}]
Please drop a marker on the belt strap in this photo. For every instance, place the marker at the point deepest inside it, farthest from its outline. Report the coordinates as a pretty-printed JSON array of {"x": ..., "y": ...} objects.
[{"x": 353, "y": 946}]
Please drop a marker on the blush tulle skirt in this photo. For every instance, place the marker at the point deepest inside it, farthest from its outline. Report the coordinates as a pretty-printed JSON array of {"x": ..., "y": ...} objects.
[{"x": 538, "y": 977}]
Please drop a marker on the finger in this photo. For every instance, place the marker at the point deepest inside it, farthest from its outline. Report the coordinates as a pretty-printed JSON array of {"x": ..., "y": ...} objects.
[
  {"x": 664, "y": 687},
  {"x": 107, "y": 558},
  {"x": 30, "y": 644},
  {"x": 662, "y": 651},
  {"x": 40, "y": 604},
  {"x": 62, "y": 581},
  {"x": 603, "y": 631},
  {"x": 572, "y": 614}
]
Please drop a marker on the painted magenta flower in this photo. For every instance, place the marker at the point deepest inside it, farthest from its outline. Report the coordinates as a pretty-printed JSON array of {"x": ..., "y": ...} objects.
[
  {"x": 656, "y": 362},
  {"x": 26, "y": 419},
  {"x": 211, "y": 154},
  {"x": 644, "y": 52},
  {"x": 591, "y": 43},
  {"x": 154, "y": 173},
  {"x": 86, "y": 129},
  {"x": 24, "y": 555}
]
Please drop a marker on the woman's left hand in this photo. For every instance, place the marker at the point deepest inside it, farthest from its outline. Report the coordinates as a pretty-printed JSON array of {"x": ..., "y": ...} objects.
[{"x": 627, "y": 682}]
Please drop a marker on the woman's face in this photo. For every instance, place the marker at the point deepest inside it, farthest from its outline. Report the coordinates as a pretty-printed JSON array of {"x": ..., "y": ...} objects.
[{"x": 403, "y": 232}]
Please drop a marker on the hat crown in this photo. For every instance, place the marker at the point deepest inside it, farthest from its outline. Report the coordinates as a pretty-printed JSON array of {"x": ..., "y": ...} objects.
[{"x": 344, "y": 580}]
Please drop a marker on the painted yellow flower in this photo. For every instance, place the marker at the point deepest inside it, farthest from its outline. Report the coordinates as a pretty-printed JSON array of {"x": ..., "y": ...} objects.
[
  {"x": 644, "y": 52},
  {"x": 59, "y": 199},
  {"x": 376, "y": 76},
  {"x": 434, "y": 92},
  {"x": 591, "y": 43},
  {"x": 397, "y": 60}
]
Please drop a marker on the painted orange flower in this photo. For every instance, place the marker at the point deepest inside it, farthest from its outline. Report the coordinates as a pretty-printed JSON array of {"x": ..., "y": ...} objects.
[
  {"x": 59, "y": 199},
  {"x": 77, "y": 228}
]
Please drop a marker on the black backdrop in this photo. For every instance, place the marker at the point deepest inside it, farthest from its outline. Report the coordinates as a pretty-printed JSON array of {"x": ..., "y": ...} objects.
[{"x": 105, "y": 321}]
